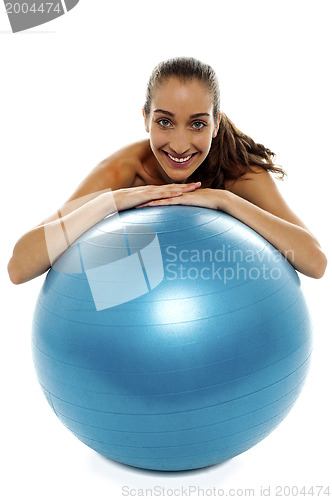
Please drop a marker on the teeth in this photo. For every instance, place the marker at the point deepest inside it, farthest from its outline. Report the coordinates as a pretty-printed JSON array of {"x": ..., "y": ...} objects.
[{"x": 179, "y": 160}]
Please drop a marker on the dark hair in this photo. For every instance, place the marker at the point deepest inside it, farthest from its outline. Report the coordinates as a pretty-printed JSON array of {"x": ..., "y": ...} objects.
[{"x": 232, "y": 153}]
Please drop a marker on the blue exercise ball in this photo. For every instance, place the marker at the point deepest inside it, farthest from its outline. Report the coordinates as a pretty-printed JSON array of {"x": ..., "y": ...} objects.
[{"x": 171, "y": 338}]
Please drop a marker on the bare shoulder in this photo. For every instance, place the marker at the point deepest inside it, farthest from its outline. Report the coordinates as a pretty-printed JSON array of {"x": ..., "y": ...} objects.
[
  {"x": 120, "y": 168},
  {"x": 250, "y": 182},
  {"x": 261, "y": 189},
  {"x": 117, "y": 171}
]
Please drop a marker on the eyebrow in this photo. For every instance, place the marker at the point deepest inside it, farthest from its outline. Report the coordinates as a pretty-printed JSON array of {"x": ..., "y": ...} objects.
[{"x": 168, "y": 113}]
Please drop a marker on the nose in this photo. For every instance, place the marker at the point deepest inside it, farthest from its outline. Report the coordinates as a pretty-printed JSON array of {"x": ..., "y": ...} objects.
[{"x": 179, "y": 142}]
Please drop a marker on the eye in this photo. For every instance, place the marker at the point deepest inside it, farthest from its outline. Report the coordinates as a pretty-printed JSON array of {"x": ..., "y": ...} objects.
[
  {"x": 198, "y": 125},
  {"x": 164, "y": 123}
]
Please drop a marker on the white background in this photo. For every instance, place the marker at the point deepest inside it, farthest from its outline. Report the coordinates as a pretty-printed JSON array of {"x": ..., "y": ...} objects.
[{"x": 71, "y": 93}]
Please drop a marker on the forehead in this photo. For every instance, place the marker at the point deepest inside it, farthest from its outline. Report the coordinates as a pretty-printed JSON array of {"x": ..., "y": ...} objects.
[{"x": 175, "y": 95}]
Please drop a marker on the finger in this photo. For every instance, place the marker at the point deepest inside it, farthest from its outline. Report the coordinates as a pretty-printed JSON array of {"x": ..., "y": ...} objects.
[
  {"x": 153, "y": 203},
  {"x": 191, "y": 186},
  {"x": 181, "y": 187},
  {"x": 166, "y": 201},
  {"x": 170, "y": 191}
]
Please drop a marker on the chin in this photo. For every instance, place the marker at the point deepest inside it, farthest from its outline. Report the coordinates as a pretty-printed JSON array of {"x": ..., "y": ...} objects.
[{"x": 177, "y": 174}]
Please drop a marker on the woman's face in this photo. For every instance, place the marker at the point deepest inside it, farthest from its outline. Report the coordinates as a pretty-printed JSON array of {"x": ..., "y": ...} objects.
[{"x": 181, "y": 127}]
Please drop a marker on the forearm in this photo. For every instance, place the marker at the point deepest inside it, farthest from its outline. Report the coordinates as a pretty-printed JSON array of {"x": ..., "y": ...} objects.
[
  {"x": 36, "y": 250},
  {"x": 296, "y": 243}
]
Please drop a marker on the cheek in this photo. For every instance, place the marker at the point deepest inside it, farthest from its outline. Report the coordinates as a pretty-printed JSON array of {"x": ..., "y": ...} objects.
[
  {"x": 157, "y": 138},
  {"x": 203, "y": 142}
]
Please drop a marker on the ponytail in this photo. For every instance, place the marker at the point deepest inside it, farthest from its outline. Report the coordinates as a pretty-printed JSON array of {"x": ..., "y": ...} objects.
[{"x": 232, "y": 154}]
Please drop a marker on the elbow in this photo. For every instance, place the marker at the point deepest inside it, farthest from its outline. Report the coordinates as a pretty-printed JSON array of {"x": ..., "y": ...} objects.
[
  {"x": 319, "y": 264},
  {"x": 20, "y": 272},
  {"x": 13, "y": 272},
  {"x": 16, "y": 274}
]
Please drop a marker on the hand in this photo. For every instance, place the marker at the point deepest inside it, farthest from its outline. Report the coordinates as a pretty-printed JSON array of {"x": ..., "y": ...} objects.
[
  {"x": 206, "y": 197},
  {"x": 140, "y": 196}
]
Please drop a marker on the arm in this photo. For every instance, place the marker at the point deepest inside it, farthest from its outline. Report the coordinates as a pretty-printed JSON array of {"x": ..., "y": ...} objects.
[
  {"x": 255, "y": 200},
  {"x": 106, "y": 189},
  {"x": 37, "y": 249}
]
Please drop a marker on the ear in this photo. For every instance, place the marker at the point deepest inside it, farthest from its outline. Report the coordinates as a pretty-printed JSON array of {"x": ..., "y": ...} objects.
[
  {"x": 215, "y": 132},
  {"x": 145, "y": 120}
]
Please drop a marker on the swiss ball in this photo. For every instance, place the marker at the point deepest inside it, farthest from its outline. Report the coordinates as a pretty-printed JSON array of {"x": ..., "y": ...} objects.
[{"x": 171, "y": 338}]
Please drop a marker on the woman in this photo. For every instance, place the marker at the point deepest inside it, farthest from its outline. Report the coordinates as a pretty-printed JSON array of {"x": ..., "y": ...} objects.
[{"x": 195, "y": 156}]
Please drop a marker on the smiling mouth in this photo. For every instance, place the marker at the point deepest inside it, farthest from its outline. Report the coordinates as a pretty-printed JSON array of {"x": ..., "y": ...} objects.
[{"x": 179, "y": 160}]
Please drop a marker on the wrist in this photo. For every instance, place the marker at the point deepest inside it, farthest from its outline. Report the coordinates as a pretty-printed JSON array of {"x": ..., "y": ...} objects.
[
  {"x": 108, "y": 205},
  {"x": 223, "y": 199}
]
